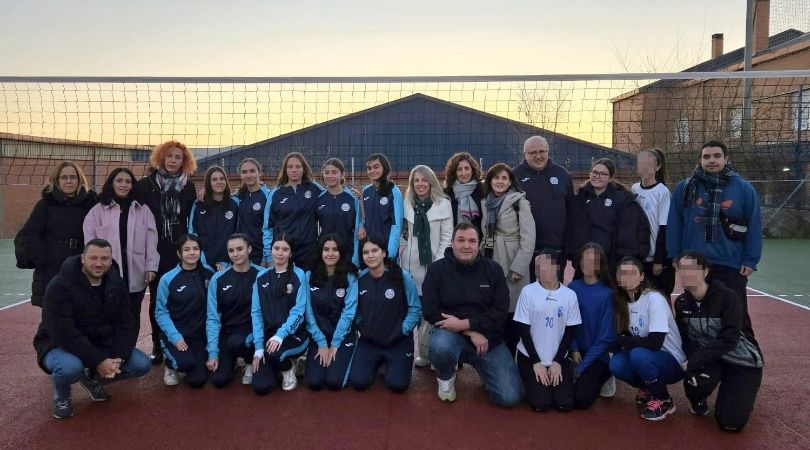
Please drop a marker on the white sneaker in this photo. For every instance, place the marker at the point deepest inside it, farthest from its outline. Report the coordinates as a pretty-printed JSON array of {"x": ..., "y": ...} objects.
[
  {"x": 288, "y": 379},
  {"x": 609, "y": 388},
  {"x": 170, "y": 376},
  {"x": 447, "y": 389},
  {"x": 421, "y": 362},
  {"x": 247, "y": 377}
]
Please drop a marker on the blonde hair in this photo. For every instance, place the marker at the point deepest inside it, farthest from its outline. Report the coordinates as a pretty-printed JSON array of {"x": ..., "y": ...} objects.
[
  {"x": 436, "y": 192},
  {"x": 158, "y": 156},
  {"x": 53, "y": 180}
]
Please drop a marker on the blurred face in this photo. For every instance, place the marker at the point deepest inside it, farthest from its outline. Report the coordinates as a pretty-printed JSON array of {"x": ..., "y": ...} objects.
[
  {"x": 536, "y": 154},
  {"x": 500, "y": 183},
  {"x": 249, "y": 174},
  {"x": 692, "y": 274},
  {"x": 646, "y": 166},
  {"x": 546, "y": 269},
  {"x": 590, "y": 263},
  {"x": 332, "y": 176},
  {"x": 464, "y": 171},
  {"x": 373, "y": 255},
  {"x": 238, "y": 251},
  {"x": 96, "y": 261},
  {"x": 295, "y": 170},
  {"x": 122, "y": 185},
  {"x": 629, "y": 277},
  {"x": 712, "y": 159},
  {"x": 189, "y": 252},
  {"x": 330, "y": 253},
  {"x": 281, "y": 252},
  {"x": 600, "y": 176},
  {"x": 68, "y": 181},
  {"x": 374, "y": 168},
  {"x": 173, "y": 160},
  {"x": 465, "y": 245},
  {"x": 218, "y": 182},
  {"x": 421, "y": 185}
]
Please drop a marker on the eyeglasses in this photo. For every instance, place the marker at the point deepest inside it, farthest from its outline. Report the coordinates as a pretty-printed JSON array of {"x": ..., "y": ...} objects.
[
  {"x": 598, "y": 174},
  {"x": 68, "y": 177},
  {"x": 534, "y": 154}
]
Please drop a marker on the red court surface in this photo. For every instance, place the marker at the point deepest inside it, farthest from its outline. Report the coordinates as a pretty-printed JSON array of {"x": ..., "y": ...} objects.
[{"x": 144, "y": 413}]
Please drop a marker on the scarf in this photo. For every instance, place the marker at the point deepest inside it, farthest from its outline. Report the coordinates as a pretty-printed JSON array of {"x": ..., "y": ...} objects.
[
  {"x": 493, "y": 210},
  {"x": 714, "y": 188},
  {"x": 421, "y": 229},
  {"x": 170, "y": 186},
  {"x": 467, "y": 207}
]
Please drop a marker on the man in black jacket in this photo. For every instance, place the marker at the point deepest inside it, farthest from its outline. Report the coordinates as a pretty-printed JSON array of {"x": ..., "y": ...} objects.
[
  {"x": 719, "y": 346},
  {"x": 464, "y": 295},
  {"x": 87, "y": 334}
]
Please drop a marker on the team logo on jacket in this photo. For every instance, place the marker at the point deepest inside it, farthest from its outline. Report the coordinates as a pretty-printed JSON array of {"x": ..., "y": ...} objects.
[
  {"x": 227, "y": 287},
  {"x": 229, "y": 215},
  {"x": 340, "y": 292},
  {"x": 363, "y": 292},
  {"x": 289, "y": 288},
  {"x": 264, "y": 285},
  {"x": 202, "y": 212},
  {"x": 283, "y": 200},
  {"x": 554, "y": 180},
  {"x": 314, "y": 288},
  {"x": 322, "y": 207},
  {"x": 180, "y": 289},
  {"x": 366, "y": 198},
  {"x": 308, "y": 194},
  {"x": 384, "y": 201},
  {"x": 389, "y": 294},
  {"x": 345, "y": 207},
  {"x": 608, "y": 202},
  {"x": 257, "y": 206},
  {"x": 525, "y": 180}
]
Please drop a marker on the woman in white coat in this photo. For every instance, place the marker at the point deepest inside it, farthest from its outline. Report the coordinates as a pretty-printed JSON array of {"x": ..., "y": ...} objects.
[
  {"x": 427, "y": 230},
  {"x": 508, "y": 235}
]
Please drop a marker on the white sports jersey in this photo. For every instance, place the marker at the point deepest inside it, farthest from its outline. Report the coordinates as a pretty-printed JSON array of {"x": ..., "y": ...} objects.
[
  {"x": 547, "y": 313},
  {"x": 651, "y": 314},
  {"x": 654, "y": 200}
]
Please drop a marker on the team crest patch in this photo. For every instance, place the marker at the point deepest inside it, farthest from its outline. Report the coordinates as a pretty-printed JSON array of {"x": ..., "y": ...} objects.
[
  {"x": 308, "y": 194},
  {"x": 384, "y": 201},
  {"x": 345, "y": 207},
  {"x": 257, "y": 206},
  {"x": 554, "y": 180},
  {"x": 229, "y": 215},
  {"x": 289, "y": 288},
  {"x": 389, "y": 294},
  {"x": 202, "y": 212},
  {"x": 608, "y": 202},
  {"x": 340, "y": 293}
]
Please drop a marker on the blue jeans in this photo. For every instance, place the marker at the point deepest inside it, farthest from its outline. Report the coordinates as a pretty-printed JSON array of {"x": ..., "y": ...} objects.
[
  {"x": 67, "y": 369},
  {"x": 496, "y": 368},
  {"x": 643, "y": 368}
]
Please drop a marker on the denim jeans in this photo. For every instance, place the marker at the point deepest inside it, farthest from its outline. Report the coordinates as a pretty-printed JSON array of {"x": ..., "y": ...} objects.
[
  {"x": 643, "y": 368},
  {"x": 67, "y": 369},
  {"x": 496, "y": 367}
]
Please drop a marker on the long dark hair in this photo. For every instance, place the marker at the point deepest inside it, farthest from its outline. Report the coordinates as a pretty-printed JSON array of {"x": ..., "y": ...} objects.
[
  {"x": 242, "y": 187},
  {"x": 394, "y": 270},
  {"x": 621, "y": 299},
  {"x": 108, "y": 193},
  {"x": 343, "y": 268},
  {"x": 208, "y": 198},
  {"x": 306, "y": 177},
  {"x": 386, "y": 185},
  {"x": 604, "y": 274},
  {"x": 660, "y": 159}
]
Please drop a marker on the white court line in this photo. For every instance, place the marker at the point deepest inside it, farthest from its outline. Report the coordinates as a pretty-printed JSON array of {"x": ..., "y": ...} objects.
[
  {"x": 758, "y": 292},
  {"x": 15, "y": 304}
]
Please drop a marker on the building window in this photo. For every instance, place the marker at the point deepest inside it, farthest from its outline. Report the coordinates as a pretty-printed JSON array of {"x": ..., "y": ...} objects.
[
  {"x": 735, "y": 122},
  {"x": 682, "y": 131},
  {"x": 801, "y": 108}
]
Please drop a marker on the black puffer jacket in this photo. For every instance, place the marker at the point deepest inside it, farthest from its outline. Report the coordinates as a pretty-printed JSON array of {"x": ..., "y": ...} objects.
[
  {"x": 77, "y": 319},
  {"x": 52, "y": 233}
]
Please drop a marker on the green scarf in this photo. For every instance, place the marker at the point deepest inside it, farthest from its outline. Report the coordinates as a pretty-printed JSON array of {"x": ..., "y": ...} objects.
[{"x": 421, "y": 229}]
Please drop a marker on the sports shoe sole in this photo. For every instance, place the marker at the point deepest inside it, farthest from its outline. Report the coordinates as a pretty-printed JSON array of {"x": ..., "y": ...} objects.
[
  {"x": 699, "y": 413},
  {"x": 668, "y": 412}
]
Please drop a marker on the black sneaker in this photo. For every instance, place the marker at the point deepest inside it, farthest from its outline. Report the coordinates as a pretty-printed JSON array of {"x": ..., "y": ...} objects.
[
  {"x": 700, "y": 408},
  {"x": 62, "y": 409},
  {"x": 658, "y": 409},
  {"x": 96, "y": 390}
]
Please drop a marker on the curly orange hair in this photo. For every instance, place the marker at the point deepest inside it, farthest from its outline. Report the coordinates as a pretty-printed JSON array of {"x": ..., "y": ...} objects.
[{"x": 159, "y": 155}]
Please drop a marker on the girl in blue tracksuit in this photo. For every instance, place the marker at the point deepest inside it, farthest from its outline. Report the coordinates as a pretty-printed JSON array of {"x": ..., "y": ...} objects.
[
  {"x": 180, "y": 313},
  {"x": 330, "y": 315},
  {"x": 337, "y": 209},
  {"x": 228, "y": 324},
  {"x": 214, "y": 218},
  {"x": 253, "y": 197},
  {"x": 279, "y": 307},
  {"x": 388, "y": 309},
  {"x": 291, "y": 209},
  {"x": 382, "y": 203},
  {"x": 591, "y": 344}
]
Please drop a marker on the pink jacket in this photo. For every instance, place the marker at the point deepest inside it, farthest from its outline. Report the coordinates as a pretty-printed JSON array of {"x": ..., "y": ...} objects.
[{"x": 142, "y": 256}]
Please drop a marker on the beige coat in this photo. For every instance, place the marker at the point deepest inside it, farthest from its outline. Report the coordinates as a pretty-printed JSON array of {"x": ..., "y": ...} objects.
[
  {"x": 513, "y": 245},
  {"x": 440, "y": 218}
]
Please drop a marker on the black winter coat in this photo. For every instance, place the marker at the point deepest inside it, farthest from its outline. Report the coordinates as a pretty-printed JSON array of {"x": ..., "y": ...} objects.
[
  {"x": 83, "y": 323},
  {"x": 52, "y": 233}
]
